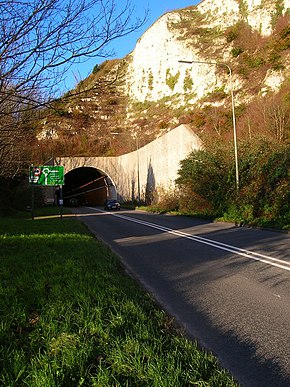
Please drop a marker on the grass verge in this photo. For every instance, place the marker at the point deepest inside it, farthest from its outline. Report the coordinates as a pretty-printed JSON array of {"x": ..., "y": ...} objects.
[
  {"x": 71, "y": 317},
  {"x": 281, "y": 224}
]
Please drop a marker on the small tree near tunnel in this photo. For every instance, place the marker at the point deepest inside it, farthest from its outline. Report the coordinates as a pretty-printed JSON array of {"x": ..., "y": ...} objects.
[{"x": 208, "y": 175}]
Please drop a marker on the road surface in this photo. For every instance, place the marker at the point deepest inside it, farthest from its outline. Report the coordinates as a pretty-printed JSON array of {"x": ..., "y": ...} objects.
[{"x": 229, "y": 287}]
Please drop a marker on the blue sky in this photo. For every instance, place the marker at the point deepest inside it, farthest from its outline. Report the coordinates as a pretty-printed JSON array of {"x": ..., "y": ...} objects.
[
  {"x": 125, "y": 45},
  {"x": 156, "y": 9}
]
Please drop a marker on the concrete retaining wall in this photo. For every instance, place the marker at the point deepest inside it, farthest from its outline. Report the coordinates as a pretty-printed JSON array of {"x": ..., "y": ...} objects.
[{"x": 153, "y": 167}]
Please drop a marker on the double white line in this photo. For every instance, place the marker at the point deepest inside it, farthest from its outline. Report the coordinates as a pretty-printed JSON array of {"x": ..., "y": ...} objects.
[{"x": 218, "y": 245}]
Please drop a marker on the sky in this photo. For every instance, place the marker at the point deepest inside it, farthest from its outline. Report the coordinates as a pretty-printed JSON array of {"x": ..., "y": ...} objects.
[
  {"x": 156, "y": 9},
  {"x": 125, "y": 45}
]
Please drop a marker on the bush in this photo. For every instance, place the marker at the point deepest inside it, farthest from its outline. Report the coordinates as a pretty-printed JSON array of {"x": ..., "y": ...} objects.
[
  {"x": 171, "y": 80},
  {"x": 254, "y": 62},
  {"x": 16, "y": 196},
  {"x": 162, "y": 202},
  {"x": 192, "y": 203},
  {"x": 231, "y": 34},
  {"x": 207, "y": 184},
  {"x": 208, "y": 174},
  {"x": 169, "y": 202},
  {"x": 236, "y": 51},
  {"x": 96, "y": 69},
  {"x": 22, "y": 196}
]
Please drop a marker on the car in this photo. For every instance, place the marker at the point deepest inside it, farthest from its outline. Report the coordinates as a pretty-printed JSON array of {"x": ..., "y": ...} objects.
[
  {"x": 112, "y": 204},
  {"x": 73, "y": 202}
]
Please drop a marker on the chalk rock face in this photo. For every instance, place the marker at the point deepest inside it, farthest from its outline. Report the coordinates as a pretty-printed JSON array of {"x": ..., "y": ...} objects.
[
  {"x": 194, "y": 34},
  {"x": 258, "y": 13},
  {"x": 155, "y": 62}
]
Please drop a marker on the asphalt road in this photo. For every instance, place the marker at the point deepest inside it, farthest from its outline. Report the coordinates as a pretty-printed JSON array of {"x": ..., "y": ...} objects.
[{"x": 228, "y": 287}]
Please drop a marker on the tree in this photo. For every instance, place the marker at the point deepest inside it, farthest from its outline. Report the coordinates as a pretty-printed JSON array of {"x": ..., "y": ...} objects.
[
  {"x": 278, "y": 116},
  {"x": 39, "y": 41},
  {"x": 208, "y": 175}
]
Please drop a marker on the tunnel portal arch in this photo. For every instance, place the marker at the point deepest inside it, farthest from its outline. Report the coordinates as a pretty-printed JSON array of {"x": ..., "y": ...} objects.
[
  {"x": 156, "y": 163},
  {"x": 87, "y": 186}
]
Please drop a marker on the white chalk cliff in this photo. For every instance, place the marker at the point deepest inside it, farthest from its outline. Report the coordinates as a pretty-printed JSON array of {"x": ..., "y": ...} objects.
[
  {"x": 155, "y": 71},
  {"x": 155, "y": 92}
]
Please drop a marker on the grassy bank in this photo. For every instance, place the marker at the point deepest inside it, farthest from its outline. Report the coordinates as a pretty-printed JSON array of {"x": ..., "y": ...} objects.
[
  {"x": 71, "y": 317},
  {"x": 230, "y": 217}
]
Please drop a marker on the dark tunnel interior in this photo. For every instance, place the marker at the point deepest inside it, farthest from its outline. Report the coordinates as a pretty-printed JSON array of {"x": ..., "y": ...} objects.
[{"x": 84, "y": 186}]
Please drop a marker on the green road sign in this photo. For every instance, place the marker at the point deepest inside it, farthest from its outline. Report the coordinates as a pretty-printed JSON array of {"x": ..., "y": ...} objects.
[{"x": 46, "y": 175}]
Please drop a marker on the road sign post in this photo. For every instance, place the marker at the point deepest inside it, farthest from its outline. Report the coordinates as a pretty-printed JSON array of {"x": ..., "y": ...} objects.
[
  {"x": 47, "y": 175},
  {"x": 60, "y": 202}
]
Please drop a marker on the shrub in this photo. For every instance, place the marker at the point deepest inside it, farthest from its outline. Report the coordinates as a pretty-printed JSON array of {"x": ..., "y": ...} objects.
[
  {"x": 243, "y": 8},
  {"x": 150, "y": 81},
  {"x": 264, "y": 176},
  {"x": 231, "y": 34},
  {"x": 113, "y": 101},
  {"x": 217, "y": 95},
  {"x": 236, "y": 51},
  {"x": 207, "y": 174},
  {"x": 96, "y": 69},
  {"x": 207, "y": 183},
  {"x": 171, "y": 80},
  {"x": 192, "y": 203},
  {"x": 168, "y": 202},
  {"x": 254, "y": 62},
  {"x": 187, "y": 82}
]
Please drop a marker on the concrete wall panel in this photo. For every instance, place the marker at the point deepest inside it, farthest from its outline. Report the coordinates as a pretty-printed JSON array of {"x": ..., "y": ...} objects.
[{"x": 157, "y": 162}]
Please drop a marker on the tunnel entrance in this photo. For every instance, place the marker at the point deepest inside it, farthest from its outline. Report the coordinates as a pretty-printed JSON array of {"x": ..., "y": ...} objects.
[{"x": 85, "y": 186}]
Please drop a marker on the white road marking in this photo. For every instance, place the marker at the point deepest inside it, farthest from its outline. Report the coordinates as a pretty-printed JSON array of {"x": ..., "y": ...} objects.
[{"x": 219, "y": 245}]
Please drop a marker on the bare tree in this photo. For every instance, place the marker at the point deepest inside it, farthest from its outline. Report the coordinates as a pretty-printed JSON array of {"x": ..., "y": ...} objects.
[
  {"x": 279, "y": 121},
  {"x": 39, "y": 41}
]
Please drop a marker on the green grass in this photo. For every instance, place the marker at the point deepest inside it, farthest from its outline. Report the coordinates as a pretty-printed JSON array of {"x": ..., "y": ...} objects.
[{"x": 71, "y": 317}]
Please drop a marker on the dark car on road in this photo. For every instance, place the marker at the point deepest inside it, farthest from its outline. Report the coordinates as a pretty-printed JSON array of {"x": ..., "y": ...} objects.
[
  {"x": 72, "y": 202},
  {"x": 112, "y": 204}
]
